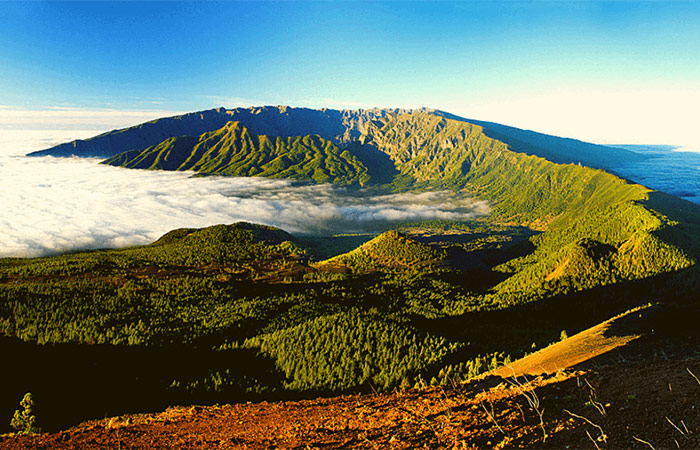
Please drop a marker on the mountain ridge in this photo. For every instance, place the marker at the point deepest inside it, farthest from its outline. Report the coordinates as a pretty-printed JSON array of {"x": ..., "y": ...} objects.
[
  {"x": 568, "y": 150},
  {"x": 233, "y": 150},
  {"x": 283, "y": 121},
  {"x": 338, "y": 126}
]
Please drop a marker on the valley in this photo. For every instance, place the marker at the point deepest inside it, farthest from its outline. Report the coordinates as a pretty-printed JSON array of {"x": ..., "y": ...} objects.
[{"x": 410, "y": 311}]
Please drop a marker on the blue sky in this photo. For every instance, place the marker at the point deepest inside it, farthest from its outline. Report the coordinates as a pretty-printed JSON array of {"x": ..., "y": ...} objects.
[{"x": 602, "y": 71}]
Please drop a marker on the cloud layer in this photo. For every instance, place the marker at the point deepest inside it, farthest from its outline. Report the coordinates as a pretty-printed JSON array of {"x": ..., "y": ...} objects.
[
  {"x": 675, "y": 171},
  {"x": 53, "y": 205},
  {"x": 61, "y": 118}
]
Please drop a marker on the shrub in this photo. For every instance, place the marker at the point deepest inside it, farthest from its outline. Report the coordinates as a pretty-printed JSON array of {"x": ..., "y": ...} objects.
[{"x": 24, "y": 421}]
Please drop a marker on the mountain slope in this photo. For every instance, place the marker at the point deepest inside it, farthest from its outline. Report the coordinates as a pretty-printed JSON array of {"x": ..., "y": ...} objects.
[
  {"x": 579, "y": 409},
  {"x": 553, "y": 148},
  {"x": 600, "y": 229},
  {"x": 339, "y": 126},
  {"x": 234, "y": 150},
  {"x": 422, "y": 149},
  {"x": 140, "y": 136},
  {"x": 594, "y": 343},
  {"x": 219, "y": 244}
]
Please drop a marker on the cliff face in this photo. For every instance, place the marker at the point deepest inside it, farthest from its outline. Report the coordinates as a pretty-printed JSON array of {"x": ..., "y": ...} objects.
[{"x": 337, "y": 126}]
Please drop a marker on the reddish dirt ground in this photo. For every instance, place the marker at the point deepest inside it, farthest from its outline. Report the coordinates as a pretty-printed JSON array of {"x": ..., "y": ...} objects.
[{"x": 616, "y": 406}]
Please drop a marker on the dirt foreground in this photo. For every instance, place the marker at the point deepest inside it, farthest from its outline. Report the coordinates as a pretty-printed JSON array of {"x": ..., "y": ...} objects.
[{"x": 626, "y": 405}]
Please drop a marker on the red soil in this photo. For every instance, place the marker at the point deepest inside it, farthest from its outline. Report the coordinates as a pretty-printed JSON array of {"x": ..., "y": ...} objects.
[{"x": 625, "y": 401}]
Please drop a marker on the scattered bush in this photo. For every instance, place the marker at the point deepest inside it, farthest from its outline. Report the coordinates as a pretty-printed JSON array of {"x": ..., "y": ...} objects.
[{"x": 24, "y": 421}]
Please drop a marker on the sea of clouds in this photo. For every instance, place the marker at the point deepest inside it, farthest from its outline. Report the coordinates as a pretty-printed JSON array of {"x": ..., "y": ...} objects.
[
  {"x": 53, "y": 205},
  {"x": 671, "y": 169}
]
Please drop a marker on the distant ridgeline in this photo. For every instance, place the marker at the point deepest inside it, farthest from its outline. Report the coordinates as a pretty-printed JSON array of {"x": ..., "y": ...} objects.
[{"x": 374, "y": 126}]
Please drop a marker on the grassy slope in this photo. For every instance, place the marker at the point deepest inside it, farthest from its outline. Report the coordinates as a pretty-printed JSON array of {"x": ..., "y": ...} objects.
[
  {"x": 433, "y": 150},
  {"x": 233, "y": 150}
]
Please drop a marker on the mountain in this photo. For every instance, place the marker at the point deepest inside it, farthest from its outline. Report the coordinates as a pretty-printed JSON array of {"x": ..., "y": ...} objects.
[
  {"x": 282, "y": 121},
  {"x": 221, "y": 244},
  {"x": 140, "y": 136},
  {"x": 553, "y": 148},
  {"x": 338, "y": 126},
  {"x": 390, "y": 250},
  {"x": 234, "y": 150},
  {"x": 398, "y": 148},
  {"x": 599, "y": 229}
]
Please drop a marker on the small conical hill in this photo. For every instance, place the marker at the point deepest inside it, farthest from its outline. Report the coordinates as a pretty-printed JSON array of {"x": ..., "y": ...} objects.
[{"x": 391, "y": 250}]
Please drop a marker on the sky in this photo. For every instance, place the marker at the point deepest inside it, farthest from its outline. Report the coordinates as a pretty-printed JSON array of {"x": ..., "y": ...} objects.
[{"x": 606, "y": 72}]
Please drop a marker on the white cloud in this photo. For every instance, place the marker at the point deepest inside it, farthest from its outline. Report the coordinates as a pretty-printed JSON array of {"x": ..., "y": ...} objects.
[
  {"x": 53, "y": 205},
  {"x": 64, "y": 118}
]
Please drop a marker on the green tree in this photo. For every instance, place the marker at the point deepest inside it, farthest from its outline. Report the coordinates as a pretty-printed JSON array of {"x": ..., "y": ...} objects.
[{"x": 24, "y": 421}]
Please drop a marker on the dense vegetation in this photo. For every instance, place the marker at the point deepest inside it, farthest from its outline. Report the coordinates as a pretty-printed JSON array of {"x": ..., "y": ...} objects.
[
  {"x": 342, "y": 351},
  {"x": 254, "y": 316},
  {"x": 390, "y": 250}
]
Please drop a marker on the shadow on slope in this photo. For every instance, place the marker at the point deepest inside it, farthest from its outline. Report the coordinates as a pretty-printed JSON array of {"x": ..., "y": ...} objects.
[
  {"x": 522, "y": 328},
  {"x": 72, "y": 382},
  {"x": 553, "y": 148},
  {"x": 325, "y": 247},
  {"x": 380, "y": 167},
  {"x": 685, "y": 216},
  {"x": 283, "y": 121}
]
